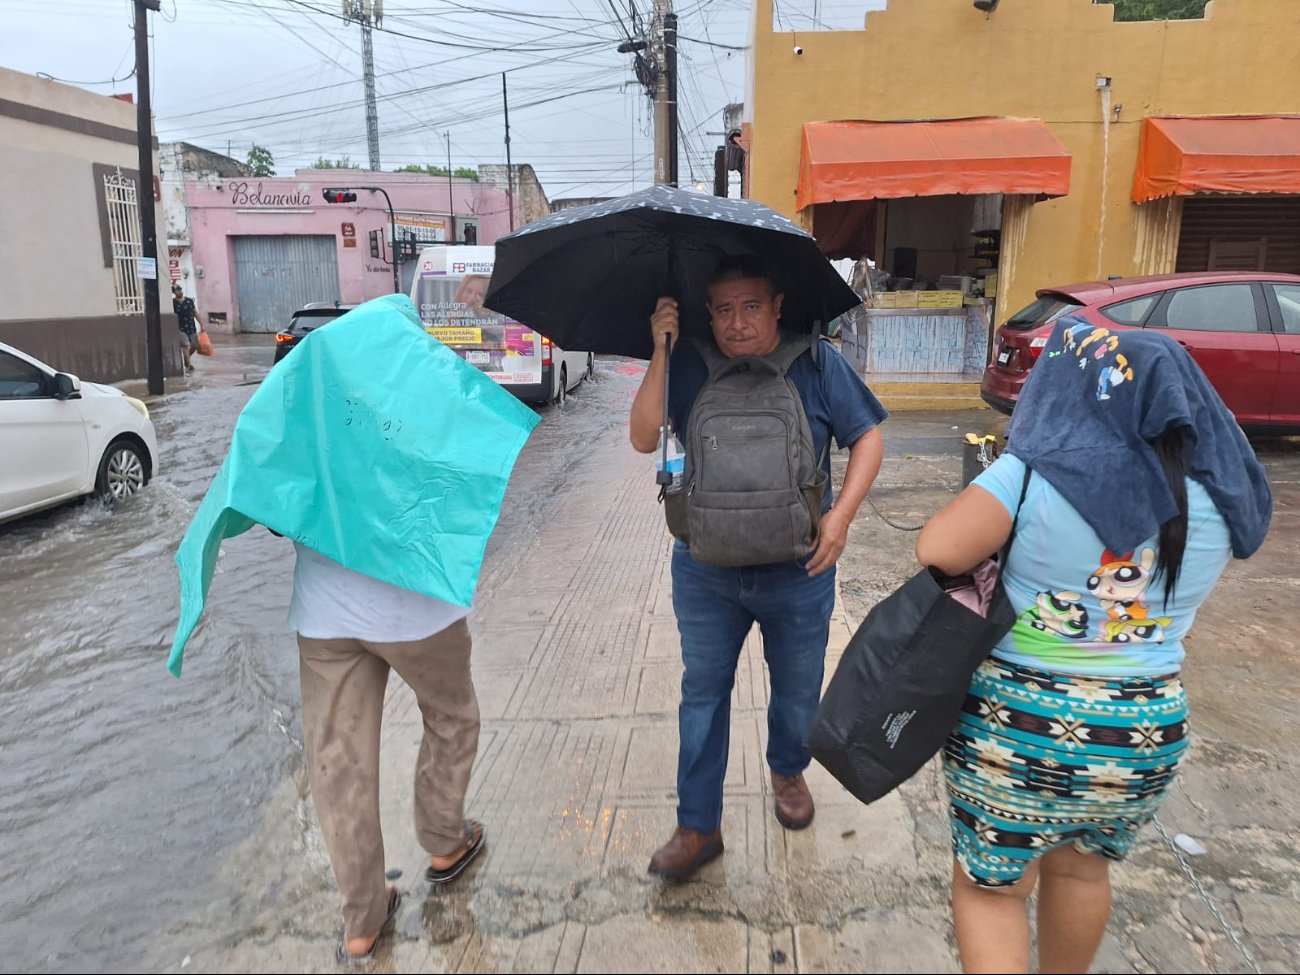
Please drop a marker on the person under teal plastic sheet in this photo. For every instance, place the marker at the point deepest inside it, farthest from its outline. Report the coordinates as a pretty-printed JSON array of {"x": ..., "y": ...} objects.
[{"x": 384, "y": 457}]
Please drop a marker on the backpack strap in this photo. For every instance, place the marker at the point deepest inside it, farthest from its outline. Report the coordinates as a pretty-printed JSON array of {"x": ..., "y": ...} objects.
[
  {"x": 780, "y": 358},
  {"x": 815, "y": 349},
  {"x": 710, "y": 353},
  {"x": 786, "y": 353}
]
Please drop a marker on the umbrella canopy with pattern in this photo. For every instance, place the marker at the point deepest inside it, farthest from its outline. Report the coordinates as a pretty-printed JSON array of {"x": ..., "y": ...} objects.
[{"x": 588, "y": 277}]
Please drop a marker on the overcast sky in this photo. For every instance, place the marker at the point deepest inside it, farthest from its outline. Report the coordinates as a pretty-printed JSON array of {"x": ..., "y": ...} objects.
[{"x": 286, "y": 75}]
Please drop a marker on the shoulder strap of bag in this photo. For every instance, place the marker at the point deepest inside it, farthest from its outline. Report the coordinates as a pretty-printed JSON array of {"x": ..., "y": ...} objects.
[
  {"x": 781, "y": 358},
  {"x": 1006, "y": 549},
  {"x": 785, "y": 354},
  {"x": 815, "y": 349},
  {"x": 710, "y": 353}
]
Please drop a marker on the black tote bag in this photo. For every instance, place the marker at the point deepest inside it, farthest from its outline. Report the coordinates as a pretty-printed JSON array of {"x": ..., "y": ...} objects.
[{"x": 901, "y": 682}]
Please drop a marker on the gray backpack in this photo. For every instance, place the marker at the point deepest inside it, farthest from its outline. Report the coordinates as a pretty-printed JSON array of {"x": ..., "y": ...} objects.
[{"x": 753, "y": 488}]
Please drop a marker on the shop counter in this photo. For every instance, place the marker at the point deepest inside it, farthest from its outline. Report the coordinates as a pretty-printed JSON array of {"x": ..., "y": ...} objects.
[{"x": 947, "y": 342}]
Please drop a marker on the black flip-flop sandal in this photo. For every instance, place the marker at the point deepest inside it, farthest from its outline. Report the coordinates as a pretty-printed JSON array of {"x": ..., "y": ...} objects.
[
  {"x": 474, "y": 846},
  {"x": 349, "y": 960}
]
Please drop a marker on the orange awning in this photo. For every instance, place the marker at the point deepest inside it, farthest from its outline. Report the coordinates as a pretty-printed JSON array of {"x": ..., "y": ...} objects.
[
  {"x": 884, "y": 160},
  {"x": 1183, "y": 155}
]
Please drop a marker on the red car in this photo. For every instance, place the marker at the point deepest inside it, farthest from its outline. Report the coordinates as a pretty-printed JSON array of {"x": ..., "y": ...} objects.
[{"x": 1242, "y": 328}]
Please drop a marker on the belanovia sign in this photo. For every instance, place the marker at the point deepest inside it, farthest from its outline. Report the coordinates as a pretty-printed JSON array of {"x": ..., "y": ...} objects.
[{"x": 242, "y": 196}]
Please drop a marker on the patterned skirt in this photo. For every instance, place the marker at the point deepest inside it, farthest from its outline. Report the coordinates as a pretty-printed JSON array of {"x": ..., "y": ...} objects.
[{"x": 1039, "y": 760}]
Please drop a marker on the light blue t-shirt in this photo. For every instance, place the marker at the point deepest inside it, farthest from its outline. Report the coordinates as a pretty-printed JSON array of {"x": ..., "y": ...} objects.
[{"x": 1082, "y": 609}]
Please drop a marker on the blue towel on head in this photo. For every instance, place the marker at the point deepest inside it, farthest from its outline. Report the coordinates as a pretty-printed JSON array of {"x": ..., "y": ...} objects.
[{"x": 1089, "y": 411}]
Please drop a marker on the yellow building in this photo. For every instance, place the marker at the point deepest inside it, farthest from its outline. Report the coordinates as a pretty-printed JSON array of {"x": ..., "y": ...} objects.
[{"x": 1041, "y": 141}]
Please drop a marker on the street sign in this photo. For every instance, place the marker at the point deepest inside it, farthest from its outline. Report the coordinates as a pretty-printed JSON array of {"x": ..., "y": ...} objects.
[{"x": 146, "y": 268}]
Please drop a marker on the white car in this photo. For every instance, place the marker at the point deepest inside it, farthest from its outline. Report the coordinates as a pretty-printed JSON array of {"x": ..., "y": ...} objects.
[{"x": 61, "y": 438}]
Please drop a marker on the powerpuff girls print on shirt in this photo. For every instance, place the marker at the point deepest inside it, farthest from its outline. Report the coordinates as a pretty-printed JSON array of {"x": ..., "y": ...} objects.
[{"x": 1083, "y": 609}]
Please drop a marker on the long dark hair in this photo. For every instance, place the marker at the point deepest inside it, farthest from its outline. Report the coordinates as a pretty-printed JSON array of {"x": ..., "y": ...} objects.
[{"x": 1171, "y": 448}]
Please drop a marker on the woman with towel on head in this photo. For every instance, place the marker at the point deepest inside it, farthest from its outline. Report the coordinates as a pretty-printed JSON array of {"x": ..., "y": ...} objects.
[{"x": 1142, "y": 487}]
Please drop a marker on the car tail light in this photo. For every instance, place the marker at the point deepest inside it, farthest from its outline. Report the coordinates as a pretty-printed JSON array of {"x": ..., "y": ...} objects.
[
  {"x": 282, "y": 337},
  {"x": 546, "y": 351},
  {"x": 1036, "y": 347}
]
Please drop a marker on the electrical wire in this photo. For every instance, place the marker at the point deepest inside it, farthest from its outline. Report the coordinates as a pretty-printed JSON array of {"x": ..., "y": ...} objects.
[
  {"x": 426, "y": 39},
  {"x": 281, "y": 97},
  {"x": 91, "y": 84},
  {"x": 461, "y": 105},
  {"x": 725, "y": 47},
  {"x": 293, "y": 115}
]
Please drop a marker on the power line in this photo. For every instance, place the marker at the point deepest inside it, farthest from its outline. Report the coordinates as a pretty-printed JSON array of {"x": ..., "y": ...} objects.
[
  {"x": 291, "y": 115},
  {"x": 424, "y": 39},
  {"x": 618, "y": 18},
  {"x": 456, "y": 103},
  {"x": 385, "y": 74},
  {"x": 725, "y": 47}
]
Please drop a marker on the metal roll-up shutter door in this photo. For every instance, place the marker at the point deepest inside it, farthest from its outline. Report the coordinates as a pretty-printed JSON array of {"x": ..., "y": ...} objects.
[
  {"x": 1240, "y": 233},
  {"x": 275, "y": 276}
]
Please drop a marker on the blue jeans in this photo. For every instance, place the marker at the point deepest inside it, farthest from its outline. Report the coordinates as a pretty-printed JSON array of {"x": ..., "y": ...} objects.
[{"x": 715, "y": 609}]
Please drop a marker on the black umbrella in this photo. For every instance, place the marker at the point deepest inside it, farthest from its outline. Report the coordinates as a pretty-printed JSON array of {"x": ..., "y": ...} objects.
[{"x": 588, "y": 278}]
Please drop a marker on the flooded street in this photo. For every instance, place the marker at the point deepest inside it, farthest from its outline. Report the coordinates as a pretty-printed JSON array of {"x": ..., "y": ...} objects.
[{"x": 124, "y": 790}]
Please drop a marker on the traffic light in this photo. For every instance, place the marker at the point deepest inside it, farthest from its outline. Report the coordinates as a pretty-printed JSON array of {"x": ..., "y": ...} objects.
[
  {"x": 374, "y": 244},
  {"x": 406, "y": 248},
  {"x": 339, "y": 196}
]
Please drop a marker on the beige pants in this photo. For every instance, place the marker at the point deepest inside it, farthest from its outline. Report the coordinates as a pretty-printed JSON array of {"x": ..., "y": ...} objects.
[{"x": 343, "y": 683}]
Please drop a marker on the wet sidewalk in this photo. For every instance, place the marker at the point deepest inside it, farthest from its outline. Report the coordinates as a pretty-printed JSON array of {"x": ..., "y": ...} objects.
[{"x": 577, "y": 667}]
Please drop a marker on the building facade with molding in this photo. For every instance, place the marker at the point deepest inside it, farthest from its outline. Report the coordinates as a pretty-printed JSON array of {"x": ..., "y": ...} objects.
[
  {"x": 71, "y": 231},
  {"x": 1042, "y": 141},
  {"x": 257, "y": 249}
]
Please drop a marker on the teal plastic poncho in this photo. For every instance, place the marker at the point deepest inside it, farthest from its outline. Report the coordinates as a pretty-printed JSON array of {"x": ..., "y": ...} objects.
[{"x": 373, "y": 444}]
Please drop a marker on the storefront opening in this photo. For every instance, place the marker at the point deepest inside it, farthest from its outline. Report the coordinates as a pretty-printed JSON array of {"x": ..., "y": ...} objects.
[{"x": 1240, "y": 233}]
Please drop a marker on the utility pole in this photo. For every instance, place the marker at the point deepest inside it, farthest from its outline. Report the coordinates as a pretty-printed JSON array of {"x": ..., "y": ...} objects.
[
  {"x": 451, "y": 198},
  {"x": 144, "y": 194},
  {"x": 510, "y": 170},
  {"x": 368, "y": 13},
  {"x": 666, "y": 94}
]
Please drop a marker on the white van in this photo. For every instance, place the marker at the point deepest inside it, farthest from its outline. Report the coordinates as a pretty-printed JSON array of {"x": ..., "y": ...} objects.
[{"x": 448, "y": 289}]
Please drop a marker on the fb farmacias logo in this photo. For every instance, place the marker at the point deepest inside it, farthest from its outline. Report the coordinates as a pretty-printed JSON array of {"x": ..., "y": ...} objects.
[{"x": 458, "y": 268}]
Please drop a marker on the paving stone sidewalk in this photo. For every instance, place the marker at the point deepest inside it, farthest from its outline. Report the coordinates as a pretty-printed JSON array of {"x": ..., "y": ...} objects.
[{"x": 577, "y": 667}]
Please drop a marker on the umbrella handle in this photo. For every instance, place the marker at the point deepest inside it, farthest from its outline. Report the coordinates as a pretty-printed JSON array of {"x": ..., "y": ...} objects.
[{"x": 664, "y": 475}]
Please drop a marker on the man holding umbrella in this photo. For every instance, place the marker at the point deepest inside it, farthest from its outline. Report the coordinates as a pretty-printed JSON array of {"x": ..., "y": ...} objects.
[
  {"x": 704, "y": 265},
  {"x": 791, "y": 601}
]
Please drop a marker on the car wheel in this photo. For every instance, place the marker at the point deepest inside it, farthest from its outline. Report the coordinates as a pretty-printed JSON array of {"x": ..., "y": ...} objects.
[
  {"x": 562, "y": 394},
  {"x": 122, "y": 472},
  {"x": 591, "y": 365}
]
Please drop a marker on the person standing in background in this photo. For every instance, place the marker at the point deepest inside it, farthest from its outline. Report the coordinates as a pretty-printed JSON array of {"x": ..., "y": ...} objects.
[{"x": 187, "y": 320}]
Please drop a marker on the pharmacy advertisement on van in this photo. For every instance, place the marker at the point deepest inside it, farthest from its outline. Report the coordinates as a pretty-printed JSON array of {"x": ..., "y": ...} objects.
[{"x": 449, "y": 290}]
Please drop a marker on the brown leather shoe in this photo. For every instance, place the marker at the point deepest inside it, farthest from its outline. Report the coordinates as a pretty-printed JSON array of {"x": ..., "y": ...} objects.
[
  {"x": 686, "y": 852},
  {"x": 794, "y": 803}
]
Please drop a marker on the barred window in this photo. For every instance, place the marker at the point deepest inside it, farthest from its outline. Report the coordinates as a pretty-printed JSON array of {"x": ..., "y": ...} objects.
[{"x": 124, "y": 238}]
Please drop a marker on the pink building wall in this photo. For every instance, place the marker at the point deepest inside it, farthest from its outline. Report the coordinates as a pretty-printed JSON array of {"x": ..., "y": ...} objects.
[{"x": 220, "y": 209}]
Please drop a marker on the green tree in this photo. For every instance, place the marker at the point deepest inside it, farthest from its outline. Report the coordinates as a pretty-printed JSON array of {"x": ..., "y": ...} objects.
[
  {"x": 460, "y": 172},
  {"x": 1159, "y": 9},
  {"x": 344, "y": 163},
  {"x": 260, "y": 161}
]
